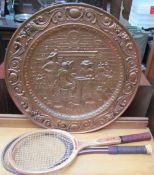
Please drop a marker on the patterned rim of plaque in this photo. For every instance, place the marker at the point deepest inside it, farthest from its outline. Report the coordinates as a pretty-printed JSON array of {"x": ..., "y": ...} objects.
[{"x": 73, "y": 67}]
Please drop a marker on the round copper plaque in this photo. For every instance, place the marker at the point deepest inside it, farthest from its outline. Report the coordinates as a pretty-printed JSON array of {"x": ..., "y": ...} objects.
[{"x": 72, "y": 67}]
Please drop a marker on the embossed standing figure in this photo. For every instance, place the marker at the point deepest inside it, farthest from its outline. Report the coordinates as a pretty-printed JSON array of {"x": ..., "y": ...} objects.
[
  {"x": 64, "y": 84},
  {"x": 51, "y": 67},
  {"x": 103, "y": 76},
  {"x": 85, "y": 80}
]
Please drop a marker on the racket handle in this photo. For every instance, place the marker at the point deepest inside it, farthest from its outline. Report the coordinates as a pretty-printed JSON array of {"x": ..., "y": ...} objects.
[
  {"x": 135, "y": 137},
  {"x": 122, "y": 139},
  {"x": 147, "y": 149}
]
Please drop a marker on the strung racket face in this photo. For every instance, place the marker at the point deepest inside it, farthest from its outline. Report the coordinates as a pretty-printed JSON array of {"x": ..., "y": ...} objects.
[{"x": 42, "y": 152}]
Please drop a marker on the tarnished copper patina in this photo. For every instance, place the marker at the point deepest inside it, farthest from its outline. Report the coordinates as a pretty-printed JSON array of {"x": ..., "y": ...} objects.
[{"x": 72, "y": 67}]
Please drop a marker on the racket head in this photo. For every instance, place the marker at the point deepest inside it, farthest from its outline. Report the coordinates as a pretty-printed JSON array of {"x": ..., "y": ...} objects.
[{"x": 42, "y": 151}]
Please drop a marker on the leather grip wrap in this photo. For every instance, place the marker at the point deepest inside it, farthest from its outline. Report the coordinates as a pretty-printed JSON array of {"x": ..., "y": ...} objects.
[
  {"x": 135, "y": 137},
  {"x": 127, "y": 150}
]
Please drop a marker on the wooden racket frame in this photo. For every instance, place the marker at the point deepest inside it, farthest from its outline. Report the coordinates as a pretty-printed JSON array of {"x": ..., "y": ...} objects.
[{"x": 62, "y": 165}]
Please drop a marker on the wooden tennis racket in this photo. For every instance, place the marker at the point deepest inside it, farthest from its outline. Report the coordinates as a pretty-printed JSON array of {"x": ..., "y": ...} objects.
[
  {"x": 145, "y": 149},
  {"x": 46, "y": 151}
]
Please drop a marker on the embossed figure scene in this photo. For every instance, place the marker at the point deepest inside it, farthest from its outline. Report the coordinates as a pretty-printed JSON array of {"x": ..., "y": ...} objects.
[{"x": 78, "y": 66}]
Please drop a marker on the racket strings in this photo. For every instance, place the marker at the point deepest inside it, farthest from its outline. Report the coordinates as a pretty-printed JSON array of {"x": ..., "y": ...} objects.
[{"x": 41, "y": 151}]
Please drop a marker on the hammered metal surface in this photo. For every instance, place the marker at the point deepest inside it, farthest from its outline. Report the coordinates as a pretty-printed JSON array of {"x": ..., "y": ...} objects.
[{"x": 72, "y": 67}]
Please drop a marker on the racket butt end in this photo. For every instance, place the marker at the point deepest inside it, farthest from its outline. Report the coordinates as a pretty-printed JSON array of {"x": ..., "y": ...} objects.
[{"x": 148, "y": 148}]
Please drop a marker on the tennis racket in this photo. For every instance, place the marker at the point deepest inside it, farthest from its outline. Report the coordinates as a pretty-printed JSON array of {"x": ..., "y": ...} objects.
[
  {"x": 145, "y": 149},
  {"x": 46, "y": 151}
]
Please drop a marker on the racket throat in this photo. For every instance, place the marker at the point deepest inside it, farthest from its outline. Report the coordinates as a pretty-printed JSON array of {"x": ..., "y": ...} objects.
[{"x": 99, "y": 142}]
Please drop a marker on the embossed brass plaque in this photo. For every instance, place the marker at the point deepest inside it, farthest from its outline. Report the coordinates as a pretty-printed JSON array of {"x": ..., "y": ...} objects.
[{"x": 72, "y": 67}]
